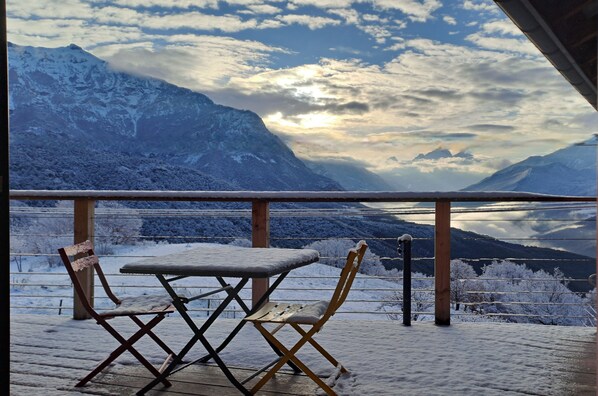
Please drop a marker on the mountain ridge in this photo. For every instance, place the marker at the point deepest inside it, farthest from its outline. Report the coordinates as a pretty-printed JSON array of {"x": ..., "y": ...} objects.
[
  {"x": 567, "y": 171},
  {"x": 71, "y": 91}
]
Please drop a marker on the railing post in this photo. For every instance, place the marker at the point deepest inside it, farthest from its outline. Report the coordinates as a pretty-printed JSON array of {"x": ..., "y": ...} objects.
[
  {"x": 260, "y": 237},
  {"x": 442, "y": 263},
  {"x": 83, "y": 230},
  {"x": 405, "y": 250}
]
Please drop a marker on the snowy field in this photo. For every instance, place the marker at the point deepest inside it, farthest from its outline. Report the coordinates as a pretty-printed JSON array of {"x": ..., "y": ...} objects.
[
  {"x": 42, "y": 290},
  {"x": 310, "y": 283},
  {"x": 383, "y": 357}
]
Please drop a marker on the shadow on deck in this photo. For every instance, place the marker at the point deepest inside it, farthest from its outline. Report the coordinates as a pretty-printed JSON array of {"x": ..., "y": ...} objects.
[{"x": 49, "y": 354}]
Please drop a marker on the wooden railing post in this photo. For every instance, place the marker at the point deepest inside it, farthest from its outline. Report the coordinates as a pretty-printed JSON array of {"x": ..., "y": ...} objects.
[
  {"x": 83, "y": 230},
  {"x": 442, "y": 263},
  {"x": 260, "y": 237}
]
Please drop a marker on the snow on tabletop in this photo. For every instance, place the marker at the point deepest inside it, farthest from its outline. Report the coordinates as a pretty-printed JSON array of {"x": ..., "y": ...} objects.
[
  {"x": 226, "y": 260},
  {"x": 383, "y": 357}
]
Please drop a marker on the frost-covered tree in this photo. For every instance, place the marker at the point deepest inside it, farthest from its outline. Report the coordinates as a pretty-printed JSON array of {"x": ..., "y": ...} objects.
[
  {"x": 47, "y": 232},
  {"x": 333, "y": 252},
  {"x": 115, "y": 225},
  {"x": 18, "y": 246},
  {"x": 462, "y": 282},
  {"x": 422, "y": 297},
  {"x": 519, "y": 294}
]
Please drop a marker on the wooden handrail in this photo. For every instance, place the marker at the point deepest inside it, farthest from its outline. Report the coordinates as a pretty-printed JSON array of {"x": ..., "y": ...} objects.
[{"x": 294, "y": 196}]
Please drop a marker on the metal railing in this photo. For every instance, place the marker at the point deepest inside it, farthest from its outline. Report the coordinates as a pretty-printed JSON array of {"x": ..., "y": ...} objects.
[{"x": 432, "y": 291}]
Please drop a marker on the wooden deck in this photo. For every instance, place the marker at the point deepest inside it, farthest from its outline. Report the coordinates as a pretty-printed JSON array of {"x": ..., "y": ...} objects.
[{"x": 50, "y": 353}]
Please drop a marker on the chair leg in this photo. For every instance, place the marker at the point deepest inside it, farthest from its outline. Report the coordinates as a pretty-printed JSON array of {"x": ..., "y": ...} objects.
[
  {"x": 153, "y": 336},
  {"x": 319, "y": 348},
  {"x": 125, "y": 344},
  {"x": 290, "y": 355}
]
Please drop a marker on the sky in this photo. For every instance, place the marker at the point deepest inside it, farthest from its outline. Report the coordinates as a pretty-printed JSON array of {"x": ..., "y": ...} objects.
[{"x": 373, "y": 82}]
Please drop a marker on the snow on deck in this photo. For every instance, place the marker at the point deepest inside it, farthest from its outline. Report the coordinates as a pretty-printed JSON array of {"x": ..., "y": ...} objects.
[{"x": 48, "y": 353}]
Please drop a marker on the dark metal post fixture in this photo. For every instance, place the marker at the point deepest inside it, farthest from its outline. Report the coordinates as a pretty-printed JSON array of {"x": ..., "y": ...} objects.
[{"x": 404, "y": 249}]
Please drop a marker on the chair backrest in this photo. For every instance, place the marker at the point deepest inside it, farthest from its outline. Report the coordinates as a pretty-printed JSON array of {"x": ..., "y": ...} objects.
[
  {"x": 354, "y": 258},
  {"x": 84, "y": 258}
]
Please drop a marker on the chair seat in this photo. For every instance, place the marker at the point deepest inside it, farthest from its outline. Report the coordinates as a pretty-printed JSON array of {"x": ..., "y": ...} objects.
[
  {"x": 141, "y": 305},
  {"x": 274, "y": 312}
]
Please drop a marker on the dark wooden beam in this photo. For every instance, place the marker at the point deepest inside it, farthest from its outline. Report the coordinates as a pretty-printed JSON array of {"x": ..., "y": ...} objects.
[
  {"x": 574, "y": 10},
  {"x": 585, "y": 38},
  {"x": 4, "y": 202},
  {"x": 590, "y": 60}
]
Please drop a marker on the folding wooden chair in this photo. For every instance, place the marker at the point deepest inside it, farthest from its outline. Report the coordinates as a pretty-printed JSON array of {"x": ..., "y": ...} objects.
[
  {"x": 314, "y": 315},
  {"x": 84, "y": 257}
]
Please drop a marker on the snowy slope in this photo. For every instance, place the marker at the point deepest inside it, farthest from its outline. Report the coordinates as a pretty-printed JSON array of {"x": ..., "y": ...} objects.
[
  {"x": 67, "y": 92},
  {"x": 569, "y": 171}
]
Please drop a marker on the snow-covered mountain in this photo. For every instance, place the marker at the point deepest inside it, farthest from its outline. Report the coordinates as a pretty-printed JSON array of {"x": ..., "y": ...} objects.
[
  {"x": 57, "y": 93},
  {"x": 569, "y": 171},
  {"x": 440, "y": 153}
]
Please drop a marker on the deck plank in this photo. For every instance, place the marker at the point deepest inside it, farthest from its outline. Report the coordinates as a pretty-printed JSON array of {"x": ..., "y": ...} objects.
[{"x": 49, "y": 354}]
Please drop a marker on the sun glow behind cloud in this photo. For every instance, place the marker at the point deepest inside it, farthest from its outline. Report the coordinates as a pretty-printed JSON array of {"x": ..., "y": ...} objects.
[{"x": 376, "y": 80}]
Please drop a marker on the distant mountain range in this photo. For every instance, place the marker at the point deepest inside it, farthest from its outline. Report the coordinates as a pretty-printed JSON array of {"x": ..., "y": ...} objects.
[
  {"x": 442, "y": 153},
  {"x": 569, "y": 171},
  {"x": 78, "y": 124}
]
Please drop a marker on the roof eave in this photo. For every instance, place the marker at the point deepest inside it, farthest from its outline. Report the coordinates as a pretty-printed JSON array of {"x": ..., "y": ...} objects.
[{"x": 529, "y": 20}]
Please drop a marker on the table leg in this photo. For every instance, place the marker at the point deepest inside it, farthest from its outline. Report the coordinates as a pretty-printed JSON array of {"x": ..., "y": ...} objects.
[
  {"x": 198, "y": 336},
  {"x": 248, "y": 312}
]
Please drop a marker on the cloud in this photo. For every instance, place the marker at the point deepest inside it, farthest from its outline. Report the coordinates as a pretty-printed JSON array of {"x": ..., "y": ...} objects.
[
  {"x": 421, "y": 178},
  {"x": 379, "y": 33},
  {"x": 522, "y": 46},
  {"x": 441, "y": 93},
  {"x": 453, "y": 106},
  {"x": 197, "y": 21},
  {"x": 492, "y": 93},
  {"x": 322, "y": 3},
  {"x": 188, "y": 60},
  {"x": 443, "y": 136},
  {"x": 48, "y": 9},
  {"x": 60, "y": 32},
  {"x": 416, "y": 11},
  {"x": 449, "y": 20},
  {"x": 490, "y": 128},
  {"x": 480, "y": 5},
  {"x": 350, "y": 15},
  {"x": 183, "y": 4},
  {"x": 502, "y": 27},
  {"x": 264, "y": 9},
  {"x": 312, "y": 22}
]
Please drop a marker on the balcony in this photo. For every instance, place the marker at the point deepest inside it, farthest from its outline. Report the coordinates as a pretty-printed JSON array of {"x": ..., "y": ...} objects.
[
  {"x": 50, "y": 353},
  {"x": 49, "y": 349}
]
